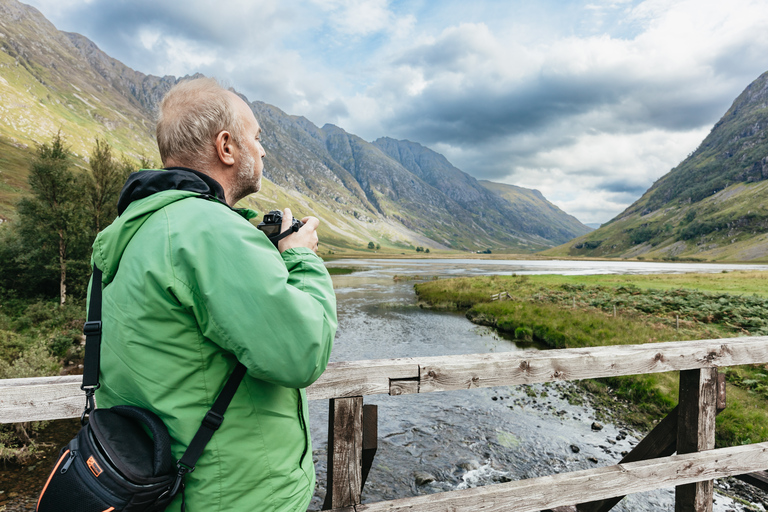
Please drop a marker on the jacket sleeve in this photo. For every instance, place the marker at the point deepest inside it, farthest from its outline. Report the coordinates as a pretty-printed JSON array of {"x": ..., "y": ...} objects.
[{"x": 276, "y": 313}]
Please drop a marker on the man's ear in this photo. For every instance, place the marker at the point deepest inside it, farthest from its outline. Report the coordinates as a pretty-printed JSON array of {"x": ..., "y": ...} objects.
[{"x": 225, "y": 147}]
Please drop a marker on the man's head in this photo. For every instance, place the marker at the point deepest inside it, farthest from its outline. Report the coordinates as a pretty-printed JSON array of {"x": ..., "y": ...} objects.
[{"x": 205, "y": 127}]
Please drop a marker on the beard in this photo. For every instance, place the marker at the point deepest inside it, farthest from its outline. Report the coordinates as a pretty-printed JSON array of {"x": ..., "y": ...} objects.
[{"x": 246, "y": 181}]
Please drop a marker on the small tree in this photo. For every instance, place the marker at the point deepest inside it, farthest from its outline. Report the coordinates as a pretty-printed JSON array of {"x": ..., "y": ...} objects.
[
  {"x": 103, "y": 184},
  {"x": 378, "y": 247},
  {"x": 371, "y": 245},
  {"x": 51, "y": 221},
  {"x": 426, "y": 250}
]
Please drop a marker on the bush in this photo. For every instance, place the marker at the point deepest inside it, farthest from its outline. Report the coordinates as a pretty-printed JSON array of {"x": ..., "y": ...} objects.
[{"x": 524, "y": 333}]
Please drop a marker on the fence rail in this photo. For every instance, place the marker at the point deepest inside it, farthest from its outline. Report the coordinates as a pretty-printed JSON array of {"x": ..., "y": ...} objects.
[{"x": 346, "y": 383}]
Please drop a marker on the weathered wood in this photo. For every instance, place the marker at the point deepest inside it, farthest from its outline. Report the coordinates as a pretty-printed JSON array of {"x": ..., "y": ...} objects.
[
  {"x": 361, "y": 378},
  {"x": 537, "y": 494},
  {"x": 758, "y": 479},
  {"x": 403, "y": 386},
  {"x": 696, "y": 432},
  {"x": 525, "y": 367},
  {"x": 722, "y": 401},
  {"x": 41, "y": 398},
  {"x": 370, "y": 439},
  {"x": 345, "y": 452},
  {"x": 660, "y": 442},
  {"x": 61, "y": 396}
]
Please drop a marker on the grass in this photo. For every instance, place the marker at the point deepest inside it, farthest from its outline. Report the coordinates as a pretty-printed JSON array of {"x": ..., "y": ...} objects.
[
  {"x": 340, "y": 271},
  {"x": 570, "y": 312}
]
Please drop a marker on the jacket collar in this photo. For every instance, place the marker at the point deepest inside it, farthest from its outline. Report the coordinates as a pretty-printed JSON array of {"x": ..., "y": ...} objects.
[{"x": 145, "y": 183}]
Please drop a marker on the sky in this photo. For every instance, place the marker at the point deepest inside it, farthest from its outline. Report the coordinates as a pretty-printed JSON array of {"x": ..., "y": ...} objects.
[{"x": 588, "y": 101}]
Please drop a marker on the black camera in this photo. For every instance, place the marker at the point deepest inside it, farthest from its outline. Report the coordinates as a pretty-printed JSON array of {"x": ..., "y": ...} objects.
[{"x": 273, "y": 222}]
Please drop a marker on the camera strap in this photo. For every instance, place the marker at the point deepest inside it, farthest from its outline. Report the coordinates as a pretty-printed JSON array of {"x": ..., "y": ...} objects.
[
  {"x": 276, "y": 238},
  {"x": 91, "y": 367}
]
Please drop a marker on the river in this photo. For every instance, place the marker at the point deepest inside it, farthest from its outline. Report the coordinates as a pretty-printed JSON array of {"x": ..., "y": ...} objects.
[{"x": 468, "y": 438}]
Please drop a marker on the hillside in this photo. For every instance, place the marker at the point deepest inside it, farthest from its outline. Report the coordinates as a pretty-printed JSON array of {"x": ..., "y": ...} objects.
[
  {"x": 713, "y": 206},
  {"x": 52, "y": 80}
]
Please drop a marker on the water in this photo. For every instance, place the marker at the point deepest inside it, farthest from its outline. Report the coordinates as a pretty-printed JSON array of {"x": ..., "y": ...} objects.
[{"x": 468, "y": 438}]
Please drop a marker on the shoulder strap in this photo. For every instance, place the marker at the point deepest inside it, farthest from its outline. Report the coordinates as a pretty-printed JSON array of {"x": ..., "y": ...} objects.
[{"x": 91, "y": 366}]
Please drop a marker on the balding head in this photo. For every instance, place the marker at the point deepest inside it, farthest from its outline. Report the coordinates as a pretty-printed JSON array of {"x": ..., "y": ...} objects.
[{"x": 191, "y": 114}]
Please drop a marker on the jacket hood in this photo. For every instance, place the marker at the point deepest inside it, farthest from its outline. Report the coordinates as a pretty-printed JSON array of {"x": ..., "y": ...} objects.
[{"x": 144, "y": 193}]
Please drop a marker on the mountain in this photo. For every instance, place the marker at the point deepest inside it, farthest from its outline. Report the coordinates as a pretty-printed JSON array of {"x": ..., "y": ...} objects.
[
  {"x": 514, "y": 208},
  {"x": 395, "y": 193},
  {"x": 712, "y": 206}
]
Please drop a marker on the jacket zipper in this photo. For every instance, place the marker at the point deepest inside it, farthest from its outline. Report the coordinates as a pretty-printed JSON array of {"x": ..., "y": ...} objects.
[{"x": 302, "y": 421}]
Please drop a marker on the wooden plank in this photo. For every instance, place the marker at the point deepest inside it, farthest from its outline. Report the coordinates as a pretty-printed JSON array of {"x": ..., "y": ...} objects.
[
  {"x": 660, "y": 442},
  {"x": 370, "y": 439},
  {"x": 696, "y": 432},
  {"x": 60, "y": 397},
  {"x": 758, "y": 479},
  {"x": 403, "y": 386},
  {"x": 722, "y": 401},
  {"x": 345, "y": 452},
  {"x": 548, "y": 492},
  {"x": 525, "y": 367},
  {"x": 41, "y": 398},
  {"x": 361, "y": 378}
]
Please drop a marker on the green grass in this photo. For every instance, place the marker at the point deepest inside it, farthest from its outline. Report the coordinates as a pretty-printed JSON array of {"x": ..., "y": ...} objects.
[
  {"x": 340, "y": 271},
  {"x": 570, "y": 312}
]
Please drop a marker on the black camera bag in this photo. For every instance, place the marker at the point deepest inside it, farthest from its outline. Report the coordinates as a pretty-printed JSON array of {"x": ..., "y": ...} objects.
[{"x": 121, "y": 459}]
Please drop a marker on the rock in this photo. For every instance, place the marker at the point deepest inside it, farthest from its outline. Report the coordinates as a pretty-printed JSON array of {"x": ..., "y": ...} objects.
[
  {"x": 596, "y": 426},
  {"x": 469, "y": 465},
  {"x": 423, "y": 478},
  {"x": 575, "y": 449},
  {"x": 592, "y": 459}
]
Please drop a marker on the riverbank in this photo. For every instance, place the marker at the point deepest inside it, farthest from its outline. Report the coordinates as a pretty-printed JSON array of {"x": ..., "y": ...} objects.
[{"x": 579, "y": 311}]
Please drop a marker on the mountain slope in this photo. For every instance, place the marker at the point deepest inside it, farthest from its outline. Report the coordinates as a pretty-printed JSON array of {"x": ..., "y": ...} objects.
[
  {"x": 516, "y": 213},
  {"x": 713, "y": 206},
  {"x": 52, "y": 80}
]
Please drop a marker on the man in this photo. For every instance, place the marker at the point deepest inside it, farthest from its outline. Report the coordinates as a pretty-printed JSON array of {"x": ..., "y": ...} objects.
[{"x": 191, "y": 288}]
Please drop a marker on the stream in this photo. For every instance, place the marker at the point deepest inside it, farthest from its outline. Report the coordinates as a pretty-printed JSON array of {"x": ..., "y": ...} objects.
[{"x": 454, "y": 440}]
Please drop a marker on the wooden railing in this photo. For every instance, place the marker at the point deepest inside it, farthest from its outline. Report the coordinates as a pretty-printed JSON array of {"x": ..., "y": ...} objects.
[{"x": 689, "y": 429}]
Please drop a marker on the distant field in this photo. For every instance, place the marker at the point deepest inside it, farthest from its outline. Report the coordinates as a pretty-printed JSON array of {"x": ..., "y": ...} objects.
[{"x": 737, "y": 282}]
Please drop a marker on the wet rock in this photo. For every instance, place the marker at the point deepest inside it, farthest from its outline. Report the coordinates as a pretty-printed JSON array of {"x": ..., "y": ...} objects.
[
  {"x": 423, "y": 478},
  {"x": 597, "y": 426},
  {"x": 592, "y": 459},
  {"x": 575, "y": 449},
  {"x": 469, "y": 465}
]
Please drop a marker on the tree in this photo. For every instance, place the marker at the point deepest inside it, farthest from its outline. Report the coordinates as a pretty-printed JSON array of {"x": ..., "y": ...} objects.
[
  {"x": 371, "y": 245},
  {"x": 103, "y": 184},
  {"x": 378, "y": 247},
  {"x": 52, "y": 220}
]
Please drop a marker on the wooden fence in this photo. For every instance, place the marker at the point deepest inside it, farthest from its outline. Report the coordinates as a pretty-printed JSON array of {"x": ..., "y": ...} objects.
[{"x": 688, "y": 430}]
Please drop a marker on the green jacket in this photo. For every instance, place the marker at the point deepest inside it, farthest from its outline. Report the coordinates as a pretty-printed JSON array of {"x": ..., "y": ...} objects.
[{"x": 190, "y": 288}]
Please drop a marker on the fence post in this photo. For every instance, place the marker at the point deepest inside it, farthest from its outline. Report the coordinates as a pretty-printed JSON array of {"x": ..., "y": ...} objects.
[
  {"x": 345, "y": 452},
  {"x": 696, "y": 432}
]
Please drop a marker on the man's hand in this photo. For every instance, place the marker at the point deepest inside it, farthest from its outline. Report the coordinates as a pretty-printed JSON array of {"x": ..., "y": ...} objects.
[{"x": 306, "y": 236}]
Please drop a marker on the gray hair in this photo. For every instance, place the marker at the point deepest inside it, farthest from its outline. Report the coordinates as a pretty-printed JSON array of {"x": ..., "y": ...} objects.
[{"x": 191, "y": 115}]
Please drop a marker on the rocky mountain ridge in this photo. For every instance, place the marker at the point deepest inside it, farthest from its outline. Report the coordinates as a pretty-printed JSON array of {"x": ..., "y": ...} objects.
[
  {"x": 52, "y": 80},
  {"x": 712, "y": 206}
]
